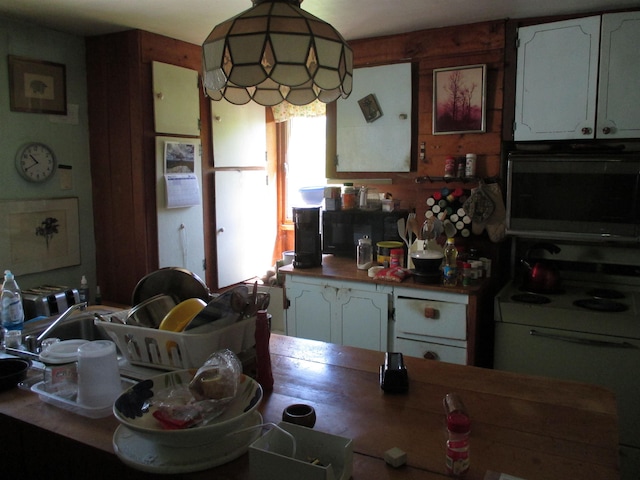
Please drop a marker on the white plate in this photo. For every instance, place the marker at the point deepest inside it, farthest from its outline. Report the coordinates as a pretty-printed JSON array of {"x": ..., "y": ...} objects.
[
  {"x": 62, "y": 352},
  {"x": 144, "y": 454}
]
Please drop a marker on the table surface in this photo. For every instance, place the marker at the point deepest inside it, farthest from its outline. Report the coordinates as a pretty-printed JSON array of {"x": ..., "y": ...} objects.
[{"x": 530, "y": 427}]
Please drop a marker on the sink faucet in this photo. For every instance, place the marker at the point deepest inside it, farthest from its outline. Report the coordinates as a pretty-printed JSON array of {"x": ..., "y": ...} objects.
[{"x": 66, "y": 314}]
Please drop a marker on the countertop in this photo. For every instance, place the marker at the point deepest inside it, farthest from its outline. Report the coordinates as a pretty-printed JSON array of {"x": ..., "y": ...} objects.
[
  {"x": 344, "y": 268},
  {"x": 531, "y": 427}
]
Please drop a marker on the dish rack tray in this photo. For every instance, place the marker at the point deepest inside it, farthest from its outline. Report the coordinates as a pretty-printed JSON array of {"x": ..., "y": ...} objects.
[{"x": 178, "y": 350}]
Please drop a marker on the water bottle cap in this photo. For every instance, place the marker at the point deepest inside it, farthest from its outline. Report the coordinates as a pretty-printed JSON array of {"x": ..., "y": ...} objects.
[{"x": 8, "y": 275}]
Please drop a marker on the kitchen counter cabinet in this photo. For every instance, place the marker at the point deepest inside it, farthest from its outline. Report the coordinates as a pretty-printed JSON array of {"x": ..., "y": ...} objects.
[
  {"x": 531, "y": 427},
  {"x": 338, "y": 311},
  {"x": 338, "y": 303}
]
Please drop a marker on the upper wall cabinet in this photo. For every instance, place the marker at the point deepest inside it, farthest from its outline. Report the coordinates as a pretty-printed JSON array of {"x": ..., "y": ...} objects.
[
  {"x": 374, "y": 124},
  {"x": 176, "y": 101},
  {"x": 558, "y": 85}
]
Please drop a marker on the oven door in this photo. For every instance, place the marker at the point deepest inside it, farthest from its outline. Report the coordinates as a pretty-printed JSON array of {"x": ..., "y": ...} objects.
[{"x": 612, "y": 362}]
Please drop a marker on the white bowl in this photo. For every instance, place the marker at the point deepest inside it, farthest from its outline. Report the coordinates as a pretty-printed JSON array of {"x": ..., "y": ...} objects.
[{"x": 235, "y": 414}]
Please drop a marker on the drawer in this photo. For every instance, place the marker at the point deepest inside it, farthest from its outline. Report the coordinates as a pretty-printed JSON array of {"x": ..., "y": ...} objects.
[
  {"x": 432, "y": 350},
  {"x": 431, "y": 317}
]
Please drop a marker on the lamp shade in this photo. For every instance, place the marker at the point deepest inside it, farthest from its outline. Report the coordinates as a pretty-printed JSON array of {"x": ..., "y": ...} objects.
[{"x": 276, "y": 51}]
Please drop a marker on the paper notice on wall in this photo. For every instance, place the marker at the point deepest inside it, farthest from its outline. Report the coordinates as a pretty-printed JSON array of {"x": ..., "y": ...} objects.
[{"x": 182, "y": 190}]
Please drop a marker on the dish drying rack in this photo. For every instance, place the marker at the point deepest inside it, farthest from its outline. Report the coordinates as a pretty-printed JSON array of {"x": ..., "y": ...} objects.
[{"x": 166, "y": 350}]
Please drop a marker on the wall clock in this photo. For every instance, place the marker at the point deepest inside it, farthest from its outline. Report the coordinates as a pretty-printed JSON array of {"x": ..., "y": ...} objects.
[{"x": 36, "y": 162}]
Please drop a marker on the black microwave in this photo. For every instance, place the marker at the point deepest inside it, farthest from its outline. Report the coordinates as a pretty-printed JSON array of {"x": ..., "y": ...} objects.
[
  {"x": 342, "y": 229},
  {"x": 578, "y": 196}
]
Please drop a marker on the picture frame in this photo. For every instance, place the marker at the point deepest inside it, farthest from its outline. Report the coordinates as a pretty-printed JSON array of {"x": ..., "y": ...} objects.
[
  {"x": 459, "y": 96},
  {"x": 370, "y": 108},
  {"x": 37, "y": 86},
  {"x": 39, "y": 235}
]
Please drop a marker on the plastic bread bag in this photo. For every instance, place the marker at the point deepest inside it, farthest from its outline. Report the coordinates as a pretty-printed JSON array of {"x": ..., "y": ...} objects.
[{"x": 213, "y": 386}]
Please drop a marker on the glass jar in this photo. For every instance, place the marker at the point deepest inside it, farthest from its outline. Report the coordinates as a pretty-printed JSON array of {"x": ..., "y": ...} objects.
[
  {"x": 365, "y": 253},
  {"x": 348, "y": 196}
]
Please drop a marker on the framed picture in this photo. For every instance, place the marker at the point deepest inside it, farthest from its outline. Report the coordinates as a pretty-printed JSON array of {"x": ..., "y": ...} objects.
[
  {"x": 370, "y": 108},
  {"x": 37, "y": 86},
  {"x": 459, "y": 99},
  {"x": 39, "y": 235}
]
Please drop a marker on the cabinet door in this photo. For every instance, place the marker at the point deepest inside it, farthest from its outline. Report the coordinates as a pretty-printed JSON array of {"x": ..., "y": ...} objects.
[
  {"x": 619, "y": 95},
  {"x": 311, "y": 310},
  {"x": 362, "y": 319},
  {"x": 556, "y": 80},
  {"x": 176, "y": 100}
]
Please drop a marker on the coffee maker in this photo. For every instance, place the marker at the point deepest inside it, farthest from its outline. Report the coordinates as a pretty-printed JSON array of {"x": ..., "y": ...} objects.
[{"x": 308, "y": 243}]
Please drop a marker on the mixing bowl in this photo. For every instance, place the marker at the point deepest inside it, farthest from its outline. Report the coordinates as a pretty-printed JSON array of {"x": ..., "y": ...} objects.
[
  {"x": 150, "y": 312},
  {"x": 427, "y": 260},
  {"x": 235, "y": 414}
]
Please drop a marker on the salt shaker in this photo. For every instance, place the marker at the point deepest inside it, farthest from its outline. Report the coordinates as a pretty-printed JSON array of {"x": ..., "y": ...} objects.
[{"x": 364, "y": 254}]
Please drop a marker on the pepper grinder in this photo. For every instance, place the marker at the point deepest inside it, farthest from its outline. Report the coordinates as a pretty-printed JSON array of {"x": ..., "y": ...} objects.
[{"x": 264, "y": 375}]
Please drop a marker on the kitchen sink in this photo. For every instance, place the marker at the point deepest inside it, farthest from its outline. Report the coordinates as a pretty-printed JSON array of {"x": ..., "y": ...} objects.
[{"x": 80, "y": 325}]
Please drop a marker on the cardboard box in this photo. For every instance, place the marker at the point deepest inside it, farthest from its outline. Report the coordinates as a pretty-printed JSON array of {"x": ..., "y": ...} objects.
[{"x": 270, "y": 456}]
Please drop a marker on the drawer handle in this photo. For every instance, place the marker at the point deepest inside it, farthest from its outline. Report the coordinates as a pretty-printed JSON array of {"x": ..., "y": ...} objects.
[
  {"x": 430, "y": 312},
  {"x": 431, "y": 355},
  {"x": 583, "y": 341}
]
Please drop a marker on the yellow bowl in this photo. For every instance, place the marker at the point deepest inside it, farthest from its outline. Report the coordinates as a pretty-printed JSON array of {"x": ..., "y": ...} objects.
[{"x": 180, "y": 315}]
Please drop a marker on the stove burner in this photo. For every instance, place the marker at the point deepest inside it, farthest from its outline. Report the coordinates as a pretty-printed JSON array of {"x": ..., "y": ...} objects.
[
  {"x": 605, "y": 293},
  {"x": 600, "y": 305},
  {"x": 533, "y": 298}
]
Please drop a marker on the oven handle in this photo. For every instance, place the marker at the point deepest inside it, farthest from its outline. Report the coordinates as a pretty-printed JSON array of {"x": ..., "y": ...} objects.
[{"x": 584, "y": 341}]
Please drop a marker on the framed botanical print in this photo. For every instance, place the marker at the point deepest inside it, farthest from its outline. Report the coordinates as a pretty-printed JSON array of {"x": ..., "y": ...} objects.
[
  {"x": 459, "y": 99},
  {"x": 37, "y": 86}
]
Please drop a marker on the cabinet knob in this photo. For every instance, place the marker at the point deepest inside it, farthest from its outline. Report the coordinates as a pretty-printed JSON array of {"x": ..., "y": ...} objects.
[
  {"x": 431, "y": 356},
  {"x": 430, "y": 312},
  {"x": 586, "y": 131},
  {"x": 606, "y": 130}
]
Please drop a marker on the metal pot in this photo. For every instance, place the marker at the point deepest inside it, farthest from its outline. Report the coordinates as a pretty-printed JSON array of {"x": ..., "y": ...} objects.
[
  {"x": 150, "y": 312},
  {"x": 541, "y": 277}
]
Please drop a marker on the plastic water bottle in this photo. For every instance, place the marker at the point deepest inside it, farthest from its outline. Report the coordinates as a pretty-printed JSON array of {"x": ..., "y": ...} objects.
[
  {"x": 450, "y": 269},
  {"x": 83, "y": 291},
  {"x": 12, "y": 310}
]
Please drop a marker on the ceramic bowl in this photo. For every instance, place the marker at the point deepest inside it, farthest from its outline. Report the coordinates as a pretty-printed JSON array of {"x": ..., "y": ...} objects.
[
  {"x": 312, "y": 195},
  {"x": 180, "y": 315},
  {"x": 427, "y": 260},
  {"x": 235, "y": 414}
]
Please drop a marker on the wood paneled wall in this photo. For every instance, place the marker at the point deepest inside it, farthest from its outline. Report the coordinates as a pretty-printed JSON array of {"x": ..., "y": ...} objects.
[{"x": 479, "y": 43}]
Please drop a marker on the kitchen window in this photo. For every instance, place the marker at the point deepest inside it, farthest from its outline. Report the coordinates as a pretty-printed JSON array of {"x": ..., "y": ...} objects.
[{"x": 301, "y": 157}]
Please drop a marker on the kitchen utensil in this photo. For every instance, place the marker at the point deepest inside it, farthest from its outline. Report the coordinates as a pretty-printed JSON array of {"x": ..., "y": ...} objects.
[
  {"x": 541, "y": 277},
  {"x": 409, "y": 229},
  {"x": 151, "y": 311},
  {"x": 228, "y": 306},
  {"x": 12, "y": 371},
  {"x": 180, "y": 283},
  {"x": 402, "y": 228}
]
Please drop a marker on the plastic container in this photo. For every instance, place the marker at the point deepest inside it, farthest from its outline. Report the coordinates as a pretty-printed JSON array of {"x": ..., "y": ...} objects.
[
  {"x": 364, "y": 255},
  {"x": 179, "y": 350},
  {"x": 384, "y": 250},
  {"x": 449, "y": 167},
  {"x": 12, "y": 310},
  {"x": 450, "y": 268},
  {"x": 470, "y": 165},
  {"x": 397, "y": 257}
]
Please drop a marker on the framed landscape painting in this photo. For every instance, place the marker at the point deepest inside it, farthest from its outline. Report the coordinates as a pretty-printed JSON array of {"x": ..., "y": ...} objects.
[{"x": 459, "y": 99}]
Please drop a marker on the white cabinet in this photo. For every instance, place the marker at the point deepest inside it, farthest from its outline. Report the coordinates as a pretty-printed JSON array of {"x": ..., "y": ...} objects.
[
  {"x": 176, "y": 100},
  {"x": 619, "y": 95},
  {"x": 558, "y": 85},
  {"x": 343, "y": 312},
  {"x": 431, "y": 324}
]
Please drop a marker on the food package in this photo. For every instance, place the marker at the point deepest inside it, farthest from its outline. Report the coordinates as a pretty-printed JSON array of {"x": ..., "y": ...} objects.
[
  {"x": 213, "y": 386},
  {"x": 392, "y": 274}
]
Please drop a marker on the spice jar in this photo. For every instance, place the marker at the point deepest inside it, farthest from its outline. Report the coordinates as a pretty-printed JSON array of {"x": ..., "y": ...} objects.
[
  {"x": 348, "y": 196},
  {"x": 364, "y": 253},
  {"x": 397, "y": 257}
]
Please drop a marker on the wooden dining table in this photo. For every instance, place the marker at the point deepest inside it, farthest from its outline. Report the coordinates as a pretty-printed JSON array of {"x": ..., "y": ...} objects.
[{"x": 529, "y": 427}]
